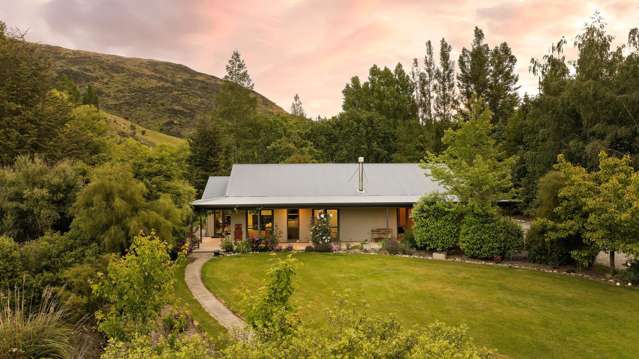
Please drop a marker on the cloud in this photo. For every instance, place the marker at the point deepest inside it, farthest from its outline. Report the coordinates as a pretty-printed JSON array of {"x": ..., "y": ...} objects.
[{"x": 310, "y": 47}]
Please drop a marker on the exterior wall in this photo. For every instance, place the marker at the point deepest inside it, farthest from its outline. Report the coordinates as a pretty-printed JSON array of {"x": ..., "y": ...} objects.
[
  {"x": 305, "y": 224},
  {"x": 603, "y": 258},
  {"x": 208, "y": 225},
  {"x": 238, "y": 217},
  {"x": 355, "y": 224},
  {"x": 279, "y": 223}
]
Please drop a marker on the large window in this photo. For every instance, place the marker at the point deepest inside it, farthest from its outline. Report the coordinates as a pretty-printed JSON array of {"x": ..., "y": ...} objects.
[
  {"x": 292, "y": 224},
  {"x": 333, "y": 220},
  {"x": 259, "y": 223},
  {"x": 221, "y": 223}
]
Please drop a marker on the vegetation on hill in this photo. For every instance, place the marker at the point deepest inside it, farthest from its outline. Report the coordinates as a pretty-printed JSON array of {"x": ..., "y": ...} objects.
[{"x": 158, "y": 95}]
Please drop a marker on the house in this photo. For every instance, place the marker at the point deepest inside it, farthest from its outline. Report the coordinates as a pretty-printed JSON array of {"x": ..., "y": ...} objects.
[{"x": 364, "y": 202}]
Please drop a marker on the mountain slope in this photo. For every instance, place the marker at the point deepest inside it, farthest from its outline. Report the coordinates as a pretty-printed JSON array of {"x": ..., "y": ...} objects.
[
  {"x": 158, "y": 95},
  {"x": 127, "y": 129}
]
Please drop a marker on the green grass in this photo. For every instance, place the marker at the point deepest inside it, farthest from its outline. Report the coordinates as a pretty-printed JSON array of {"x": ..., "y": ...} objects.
[
  {"x": 149, "y": 137},
  {"x": 211, "y": 327},
  {"x": 521, "y": 313}
]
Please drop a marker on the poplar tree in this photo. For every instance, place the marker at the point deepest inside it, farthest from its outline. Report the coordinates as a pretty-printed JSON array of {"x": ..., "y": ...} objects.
[
  {"x": 296, "y": 107},
  {"x": 427, "y": 82},
  {"x": 237, "y": 72},
  {"x": 444, "y": 86},
  {"x": 474, "y": 70}
]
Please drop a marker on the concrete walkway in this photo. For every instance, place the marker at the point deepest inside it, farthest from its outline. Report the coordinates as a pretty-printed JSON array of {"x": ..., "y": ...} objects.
[{"x": 193, "y": 277}]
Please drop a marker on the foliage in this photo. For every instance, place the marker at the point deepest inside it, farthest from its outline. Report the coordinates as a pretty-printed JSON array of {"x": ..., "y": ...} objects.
[
  {"x": 296, "y": 107},
  {"x": 547, "y": 197},
  {"x": 11, "y": 265},
  {"x": 437, "y": 222},
  {"x": 543, "y": 249},
  {"x": 237, "y": 72},
  {"x": 39, "y": 332},
  {"x": 207, "y": 153},
  {"x": 112, "y": 208},
  {"x": 183, "y": 346},
  {"x": 584, "y": 107},
  {"x": 135, "y": 287},
  {"x": 83, "y": 137},
  {"x": 631, "y": 274},
  {"x": 269, "y": 312},
  {"x": 485, "y": 235},
  {"x": 36, "y": 198},
  {"x": 227, "y": 245},
  {"x": 472, "y": 168},
  {"x": 394, "y": 246},
  {"x": 321, "y": 234},
  {"x": 354, "y": 334},
  {"x": 243, "y": 246}
]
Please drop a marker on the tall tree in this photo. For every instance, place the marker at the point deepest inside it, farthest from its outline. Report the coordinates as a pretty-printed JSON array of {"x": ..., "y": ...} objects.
[
  {"x": 237, "y": 72},
  {"x": 426, "y": 85},
  {"x": 444, "y": 87},
  {"x": 474, "y": 70},
  {"x": 90, "y": 97},
  {"x": 207, "y": 156},
  {"x": 236, "y": 110},
  {"x": 296, "y": 107},
  {"x": 502, "y": 87}
]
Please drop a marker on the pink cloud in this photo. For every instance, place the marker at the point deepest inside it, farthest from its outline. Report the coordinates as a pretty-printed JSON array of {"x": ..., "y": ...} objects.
[{"x": 310, "y": 47}]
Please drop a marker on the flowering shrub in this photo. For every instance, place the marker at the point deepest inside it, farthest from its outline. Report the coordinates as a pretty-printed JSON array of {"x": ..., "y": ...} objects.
[{"x": 321, "y": 234}]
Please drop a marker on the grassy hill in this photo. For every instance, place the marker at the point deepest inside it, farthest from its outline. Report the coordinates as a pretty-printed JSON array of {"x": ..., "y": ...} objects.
[
  {"x": 126, "y": 128},
  {"x": 160, "y": 96}
]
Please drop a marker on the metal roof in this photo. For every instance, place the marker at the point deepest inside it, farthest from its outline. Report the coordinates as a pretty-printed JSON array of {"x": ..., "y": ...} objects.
[{"x": 334, "y": 184}]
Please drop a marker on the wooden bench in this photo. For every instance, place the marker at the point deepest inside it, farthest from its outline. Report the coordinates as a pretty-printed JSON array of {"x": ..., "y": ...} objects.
[{"x": 379, "y": 234}]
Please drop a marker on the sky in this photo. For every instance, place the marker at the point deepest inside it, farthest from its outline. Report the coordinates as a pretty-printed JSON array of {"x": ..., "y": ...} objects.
[{"x": 309, "y": 47}]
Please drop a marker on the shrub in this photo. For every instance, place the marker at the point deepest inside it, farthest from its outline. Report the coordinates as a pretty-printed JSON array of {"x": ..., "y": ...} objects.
[
  {"x": 243, "y": 246},
  {"x": 266, "y": 244},
  {"x": 39, "y": 334},
  {"x": 489, "y": 236},
  {"x": 309, "y": 249},
  {"x": 10, "y": 265},
  {"x": 437, "y": 223},
  {"x": 409, "y": 239},
  {"x": 321, "y": 234},
  {"x": 545, "y": 250},
  {"x": 227, "y": 245},
  {"x": 393, "y": 246},
  {"x": 631, "y": 274}
]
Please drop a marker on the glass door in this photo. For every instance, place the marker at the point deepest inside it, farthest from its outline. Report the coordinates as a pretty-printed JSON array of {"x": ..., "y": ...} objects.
[{"x": 292, "y": 225}]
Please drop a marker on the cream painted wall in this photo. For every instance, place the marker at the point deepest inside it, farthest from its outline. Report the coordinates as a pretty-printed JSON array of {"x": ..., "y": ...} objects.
[
  {"x": 305, "y": 224},
  {"x": 356, "y": 223},
  {"x": 279, "y": 221}
]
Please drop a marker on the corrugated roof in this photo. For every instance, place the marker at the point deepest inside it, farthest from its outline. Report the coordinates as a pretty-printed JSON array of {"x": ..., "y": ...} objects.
[{"x": 327, "y": 184}]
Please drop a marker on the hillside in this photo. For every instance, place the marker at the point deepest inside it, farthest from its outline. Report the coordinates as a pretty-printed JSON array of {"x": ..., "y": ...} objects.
[
  {"x": 158, "y": 95},
  {"x": 126, "y": 128}
]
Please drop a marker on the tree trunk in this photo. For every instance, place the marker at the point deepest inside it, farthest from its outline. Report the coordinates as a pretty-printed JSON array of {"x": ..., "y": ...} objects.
[{"x": 612, "y": 261}]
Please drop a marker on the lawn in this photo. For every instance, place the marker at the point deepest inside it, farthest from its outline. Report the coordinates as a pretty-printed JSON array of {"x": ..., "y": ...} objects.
[
  {"x": 521, "y": 313},
  {"x": 211, "y": 327}
]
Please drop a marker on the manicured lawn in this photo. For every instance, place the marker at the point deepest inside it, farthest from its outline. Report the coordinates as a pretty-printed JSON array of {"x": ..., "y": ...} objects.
[
  {"x": 521, "y": 313},
  {"x": 211, "y": 327}
]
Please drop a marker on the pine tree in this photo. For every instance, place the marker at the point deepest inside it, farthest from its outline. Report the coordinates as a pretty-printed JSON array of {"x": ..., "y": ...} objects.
[
  {"x": 296, "y": 107},
  {"x": 237, "y": 72},
  {"x": 444, "y": 86},
  {"x": 474, "y": 70}
]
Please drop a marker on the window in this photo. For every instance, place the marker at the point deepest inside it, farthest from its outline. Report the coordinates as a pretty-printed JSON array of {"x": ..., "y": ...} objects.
[
  {"x": 292, "y": 225},
  {"x": 259, "y": 223},
  {"x": 333, "y": 220},
  {"x": 221, "y": 223}
]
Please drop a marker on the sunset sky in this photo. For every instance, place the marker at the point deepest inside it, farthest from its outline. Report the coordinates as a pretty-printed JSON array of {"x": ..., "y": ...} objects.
[{"x": 308, "y": 47}]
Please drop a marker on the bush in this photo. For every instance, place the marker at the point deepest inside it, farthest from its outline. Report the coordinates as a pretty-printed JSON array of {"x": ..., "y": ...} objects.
[
  {"x": 631, "y": 274},
  {"x": 266, "y": 244},
  {"x": 321, "y": 234},
  {"x": 437, "y": 223},
  {"x": 489, "y": 236},
  {"x": 10, "y": 265},
  {"x": 243, "y": 246},
  {"x": 544, "y": 250},
  {"x": 393, "y": 246},
  {"x": 227, "y": 245},
  {"x": 409, "y": 239}
]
